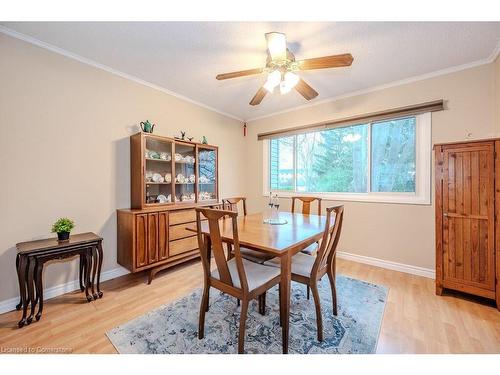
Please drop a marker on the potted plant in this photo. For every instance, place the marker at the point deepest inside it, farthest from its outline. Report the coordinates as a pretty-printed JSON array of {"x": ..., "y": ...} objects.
[{"x": 63, "y": 227}]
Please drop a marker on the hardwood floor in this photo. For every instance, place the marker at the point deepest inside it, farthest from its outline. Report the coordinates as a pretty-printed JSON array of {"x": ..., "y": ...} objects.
[{"x": 415, "y": 319}]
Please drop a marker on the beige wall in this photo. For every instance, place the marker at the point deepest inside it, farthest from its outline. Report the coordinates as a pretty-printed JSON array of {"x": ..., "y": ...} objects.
[
  {"x": 64, "y": 149},
  {"x": 394, "y": 232}
]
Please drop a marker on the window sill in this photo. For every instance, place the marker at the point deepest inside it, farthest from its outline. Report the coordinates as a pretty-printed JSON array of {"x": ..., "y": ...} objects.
[{"x": 360, "y": 197}]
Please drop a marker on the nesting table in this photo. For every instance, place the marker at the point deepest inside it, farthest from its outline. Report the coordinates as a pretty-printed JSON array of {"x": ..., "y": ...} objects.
[{"x": 31, "y": 257}]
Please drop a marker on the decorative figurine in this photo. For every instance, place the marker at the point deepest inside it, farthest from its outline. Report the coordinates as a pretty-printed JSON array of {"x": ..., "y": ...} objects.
[
  {"x": 147, "y": 127},
  {"x": 204, "y": 140},
  {"x": 183, "y": 135},
  {"x": 190, "y": 139}
]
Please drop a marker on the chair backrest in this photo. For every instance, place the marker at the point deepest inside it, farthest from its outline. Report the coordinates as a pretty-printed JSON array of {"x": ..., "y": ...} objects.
[
  {"x": 214, "y": 217},
  {"x": 232, "y": 204},
  {"x": 331, "y": 236},
  {"x": 306, "y": 204}
]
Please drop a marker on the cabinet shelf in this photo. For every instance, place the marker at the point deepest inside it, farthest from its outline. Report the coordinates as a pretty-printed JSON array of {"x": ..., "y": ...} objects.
[
  {"x": 158, "y": 183},
  {"x": 162, "y": 160}
]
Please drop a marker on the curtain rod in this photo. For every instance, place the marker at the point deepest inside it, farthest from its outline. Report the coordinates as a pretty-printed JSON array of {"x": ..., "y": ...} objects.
[{"x": 433, "y": 106}]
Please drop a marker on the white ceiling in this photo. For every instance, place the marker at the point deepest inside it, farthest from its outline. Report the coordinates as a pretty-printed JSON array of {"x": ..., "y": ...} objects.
[{"x": 184, "y": 57}]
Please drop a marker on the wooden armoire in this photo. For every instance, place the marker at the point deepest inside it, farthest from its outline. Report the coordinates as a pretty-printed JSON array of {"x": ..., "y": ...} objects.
[{"x": 467, "y": 213}]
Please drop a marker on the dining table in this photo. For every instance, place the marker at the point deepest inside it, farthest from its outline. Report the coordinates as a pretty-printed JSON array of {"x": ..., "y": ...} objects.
[{"x": 295, "y": 232}]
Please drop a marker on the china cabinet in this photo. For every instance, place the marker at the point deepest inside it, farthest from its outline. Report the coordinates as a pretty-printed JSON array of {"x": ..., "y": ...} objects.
[
  {"x": 167, "y": 171},
  {"x": 169, "y": 179}
]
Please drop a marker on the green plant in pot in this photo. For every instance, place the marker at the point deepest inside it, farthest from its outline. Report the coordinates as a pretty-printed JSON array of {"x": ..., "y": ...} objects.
[{"x": 63, "y": 227}]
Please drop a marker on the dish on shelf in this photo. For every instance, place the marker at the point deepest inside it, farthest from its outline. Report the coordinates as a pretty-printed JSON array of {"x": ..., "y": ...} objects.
[
  {"x": 189, "y": 159},
  {"x": 149, "y": 176},
  {"x": 180, "y": 178},
  {"x": 165, "y": 156},
  {"x": 204, "y": 180},
  {"x": 157, "y": 177},
  {"x": 192, "y": 178},
  {"x": 188, "y": 198},
  {"x": 205, "y": 195},
  {"x": 161, "y": 198},
  {"x": 168, "y": 177},
  {"x": 153, "y": 155}
]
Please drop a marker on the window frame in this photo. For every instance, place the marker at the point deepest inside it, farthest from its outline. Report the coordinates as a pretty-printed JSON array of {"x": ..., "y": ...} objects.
[{"x": 421, "y": 196}]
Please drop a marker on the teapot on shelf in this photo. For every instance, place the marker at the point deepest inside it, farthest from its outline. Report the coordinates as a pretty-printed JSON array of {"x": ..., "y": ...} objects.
[{"x": 147, "y": 127}]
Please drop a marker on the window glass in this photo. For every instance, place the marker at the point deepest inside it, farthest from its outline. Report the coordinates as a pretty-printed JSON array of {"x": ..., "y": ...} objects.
[
  {"x": 393, "y": 156},
  {"x": 339, "y": 160},
  {"x": 281, "y": 163},
  {"x": 333, "y": 160}
]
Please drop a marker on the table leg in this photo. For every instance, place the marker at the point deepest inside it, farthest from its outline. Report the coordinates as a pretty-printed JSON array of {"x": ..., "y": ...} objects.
[
  {"x": 82, "y": 271},
  {"x": 21, "y": 273},
  {"x": 39, "y": 289},
  {"x": 99, "y": 267},
  {"x": 87, "y": 276},
  {"x": 95, "y": 260},
  {"x": 31, "y": 283},
  {"x": 286, "y": 277},
  {"x": 19, "y": 278},
  {"x": 208, "y": 243}
]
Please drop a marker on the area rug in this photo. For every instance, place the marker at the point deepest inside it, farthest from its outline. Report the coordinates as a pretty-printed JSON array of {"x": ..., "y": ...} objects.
[{"x": 173, "y": 328}]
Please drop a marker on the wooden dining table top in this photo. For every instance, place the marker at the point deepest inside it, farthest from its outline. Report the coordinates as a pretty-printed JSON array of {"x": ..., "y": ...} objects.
[{"x": 299, "y": 232}]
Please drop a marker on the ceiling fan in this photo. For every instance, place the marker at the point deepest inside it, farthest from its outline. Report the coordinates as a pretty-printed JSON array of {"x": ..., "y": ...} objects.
[{"x": 281, "y": 67}]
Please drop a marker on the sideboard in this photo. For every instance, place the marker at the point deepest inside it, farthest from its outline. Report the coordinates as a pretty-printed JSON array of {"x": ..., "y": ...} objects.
[
  {"x": 156, "y": 239},
  {"x": 169, "y": 179}
]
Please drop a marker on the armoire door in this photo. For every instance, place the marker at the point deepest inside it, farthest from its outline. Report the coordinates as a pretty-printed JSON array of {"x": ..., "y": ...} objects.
[{"x": 468, "y": 219}]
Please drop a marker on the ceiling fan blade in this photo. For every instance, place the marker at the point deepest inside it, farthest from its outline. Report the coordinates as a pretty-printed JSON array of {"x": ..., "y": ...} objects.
[
  {"x": 258, "y": 96},
  {"x": 240, "y": 73},
  {"x": 276, "y": 45},
  {"x": 325, "y": 62},
  {"x": 305, "y": 90}
]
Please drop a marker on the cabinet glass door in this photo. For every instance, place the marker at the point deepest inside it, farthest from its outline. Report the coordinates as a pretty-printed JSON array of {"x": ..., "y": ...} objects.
[
  {"x": 185, "y": 176},
  {"x": 207, "y": 174},
  {"x": 158, "y": 171}
]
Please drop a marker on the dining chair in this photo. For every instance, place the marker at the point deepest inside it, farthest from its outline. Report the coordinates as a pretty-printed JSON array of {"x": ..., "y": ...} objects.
[
  {"x": 308, "y": 270},
  {"x": 254, "y": 256},
  {"x": 238, "y": 277},
  {"x": 232, "y": 204},
  {"x": 306, "y": 210}
]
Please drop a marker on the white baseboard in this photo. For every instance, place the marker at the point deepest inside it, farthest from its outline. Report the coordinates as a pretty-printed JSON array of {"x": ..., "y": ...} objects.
[
  {"x": 406, "y": 268},
  {"x": 10, "y": 304}
]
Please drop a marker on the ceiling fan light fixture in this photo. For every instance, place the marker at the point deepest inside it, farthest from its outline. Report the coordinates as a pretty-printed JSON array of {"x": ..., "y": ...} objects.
[
  {"x": 276, "y": 44},
  {"x": 273, "y": 80},
  {"x": 289, "y": 82}
]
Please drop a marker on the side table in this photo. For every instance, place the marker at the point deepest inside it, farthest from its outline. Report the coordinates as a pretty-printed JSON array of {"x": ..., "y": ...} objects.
[{"x": 32, "y": 256}]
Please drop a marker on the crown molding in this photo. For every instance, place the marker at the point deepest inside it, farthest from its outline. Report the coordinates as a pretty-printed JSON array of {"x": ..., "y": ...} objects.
[
  {"x": 84, "y": 60},
  {"x": 15, "y": 34},
  {"x": 488, "y": 60}
]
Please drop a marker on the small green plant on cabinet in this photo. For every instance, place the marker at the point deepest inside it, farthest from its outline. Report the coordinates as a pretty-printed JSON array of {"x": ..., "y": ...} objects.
[{"x": 63, "y": 227}]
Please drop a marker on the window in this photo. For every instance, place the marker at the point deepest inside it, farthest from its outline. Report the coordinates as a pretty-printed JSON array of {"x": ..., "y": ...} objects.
[{"x": 385, "y": 161}]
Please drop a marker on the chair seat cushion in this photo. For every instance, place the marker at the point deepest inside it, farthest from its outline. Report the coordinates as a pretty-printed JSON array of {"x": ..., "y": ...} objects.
[
  {"x": 254, "y": 256},
  {"x": 257, "y": 274},
  {"x": 302, "y": 264},
  {"x": 311, "y": 249}
]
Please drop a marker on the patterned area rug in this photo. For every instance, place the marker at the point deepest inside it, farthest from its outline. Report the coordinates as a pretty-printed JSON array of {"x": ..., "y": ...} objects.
[{"x": 172, "y": 328}]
